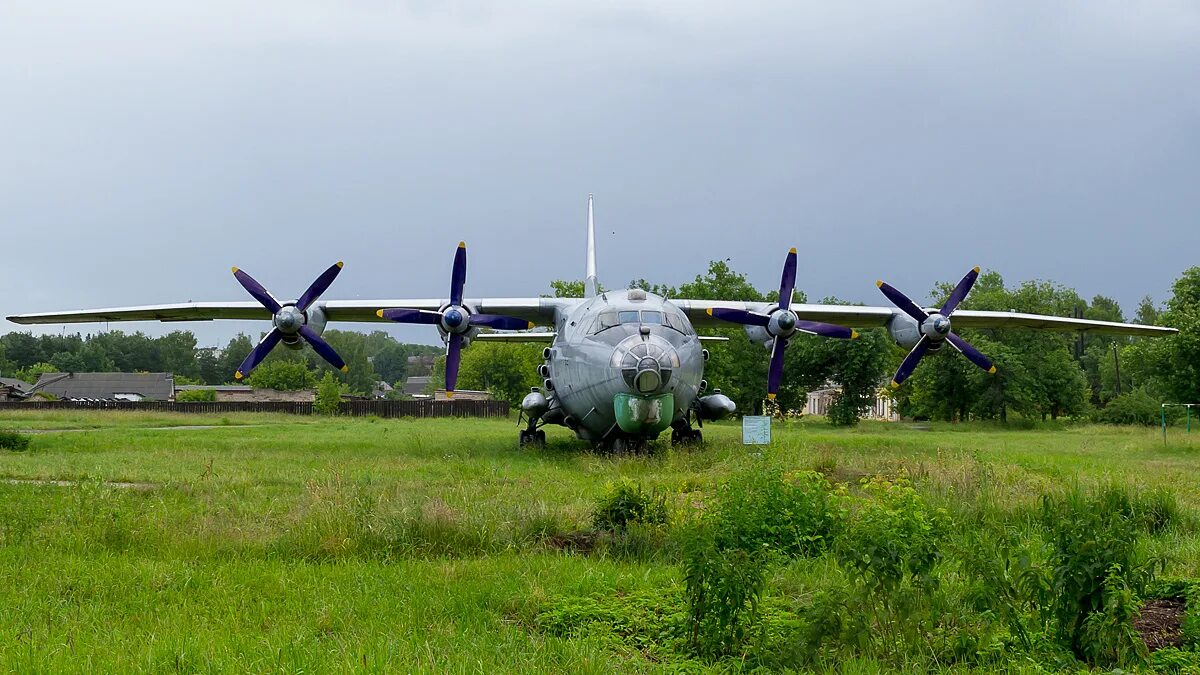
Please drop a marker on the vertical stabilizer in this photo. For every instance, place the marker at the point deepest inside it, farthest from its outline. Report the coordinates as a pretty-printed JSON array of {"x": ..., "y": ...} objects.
[{"x": 591, "y": 287}]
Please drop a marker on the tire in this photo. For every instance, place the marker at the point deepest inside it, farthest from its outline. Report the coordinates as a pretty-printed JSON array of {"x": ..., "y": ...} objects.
[{"x": 540, "y": 437}]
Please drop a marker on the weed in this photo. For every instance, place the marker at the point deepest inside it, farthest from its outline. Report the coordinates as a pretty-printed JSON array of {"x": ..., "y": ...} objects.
[
  {"x": 625, "y": 502},
  {"x": 11, "y": 440},
  {"x": 762, "y": 509}
]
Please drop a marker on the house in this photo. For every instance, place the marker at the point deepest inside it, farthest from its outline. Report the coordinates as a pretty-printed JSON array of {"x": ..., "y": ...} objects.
[
  {"x": 421, "y": 365},
  {"x": 12, "y": 389},
  {"x": 881, "y": 408},
  {"x": 463, "y": 395},
  {"x": 382, "y": 390},
  {"x": 108, "y": 386},
  {"x": 236, "y": 392},
  {"x": 415, "y": 386}
]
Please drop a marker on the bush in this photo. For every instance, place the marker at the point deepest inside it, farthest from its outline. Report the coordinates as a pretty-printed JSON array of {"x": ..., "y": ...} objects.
[
  {"x": 196, "y": 396},
  {"x": 1136, "y": 407},
  {"x": 625, "y": 502},
  {"x": 723, "y": 587},
  {"x": 892, "y": 537},
  {"x": 761, "y": 509},
  {"x": 1096, "y": 571},
  {"x": 11, "y": 440},
  {"x": 329, "y": 396}
]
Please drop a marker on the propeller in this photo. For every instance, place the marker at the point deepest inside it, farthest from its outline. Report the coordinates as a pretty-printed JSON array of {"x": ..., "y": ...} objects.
[
  {"x": 454, "y": 319},
  {"x": 290, "y": 320},
  {"x": 781, "y": 323},
  {"x": 935, "y": 327}
]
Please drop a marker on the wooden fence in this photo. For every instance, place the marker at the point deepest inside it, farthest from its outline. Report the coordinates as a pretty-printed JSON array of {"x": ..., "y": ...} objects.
[{"x": 380, "y": 408}]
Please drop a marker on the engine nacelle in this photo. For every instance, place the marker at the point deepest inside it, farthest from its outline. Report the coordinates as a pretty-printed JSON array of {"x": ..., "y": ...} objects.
[
  {"x": 535, "y": 404},
  {"x": 904, "y": 330},
  {"x": 759, "y": 336},
  {"x": 716, "y": 406},
  {"x": 314, "y": 319}
]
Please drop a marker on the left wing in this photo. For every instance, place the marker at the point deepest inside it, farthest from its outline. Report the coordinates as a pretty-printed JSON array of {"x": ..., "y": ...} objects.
[{"x": 858, "y": 316}]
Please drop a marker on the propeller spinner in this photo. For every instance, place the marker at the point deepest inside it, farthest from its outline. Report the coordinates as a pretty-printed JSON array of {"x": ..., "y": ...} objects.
[
  {"x": 290, "y": 321},
  {"x": 935, "y": 327},
  {"x": 455, "y": 319},
  {"x": 782, "y": 323}
]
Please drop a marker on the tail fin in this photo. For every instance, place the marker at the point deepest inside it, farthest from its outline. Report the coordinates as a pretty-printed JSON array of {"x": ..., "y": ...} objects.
[{"x": 591, "y": 287}]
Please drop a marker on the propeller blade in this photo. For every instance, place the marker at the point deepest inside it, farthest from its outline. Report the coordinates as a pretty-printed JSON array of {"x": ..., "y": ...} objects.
[
  {"x": 401, "y": 315},
  {"x": 960, "y": 291},
  {"x": 259, "y": 353},
  {"x": 453, "y": 355},
  {"x": 775, "y": 374},
  {"x": 788, "y": 283},
  {"x": 901, "y": 300},
  {"x": 319, "y": 286},
  {"x": 739, "y": 316},
  {"x": 322, "y": 347},
  {"x": 970, "y": 352},
  {"x": 911, "y": 361},
  {"x": 826, "y": 330},
  {"x": 500, "y": 322},
  {"x": 256, "y": 289},
  {"x": 458, "y": 276}
]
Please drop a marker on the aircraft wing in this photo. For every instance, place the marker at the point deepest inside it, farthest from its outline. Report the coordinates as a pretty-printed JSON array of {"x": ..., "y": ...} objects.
[
  {"x": 858, "y": 316},
  {"x": 538, "y": 310}
]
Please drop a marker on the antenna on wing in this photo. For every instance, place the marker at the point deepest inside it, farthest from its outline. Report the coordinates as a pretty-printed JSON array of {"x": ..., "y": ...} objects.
[{"x": 591, "y": 287}]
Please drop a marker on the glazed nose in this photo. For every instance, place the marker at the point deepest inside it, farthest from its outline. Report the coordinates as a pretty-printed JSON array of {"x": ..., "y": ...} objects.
[{"x": 649, "y": 376}]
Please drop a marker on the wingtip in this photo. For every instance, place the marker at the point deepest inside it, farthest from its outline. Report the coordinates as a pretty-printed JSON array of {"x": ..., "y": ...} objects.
[{"x": 379, "y": 314}]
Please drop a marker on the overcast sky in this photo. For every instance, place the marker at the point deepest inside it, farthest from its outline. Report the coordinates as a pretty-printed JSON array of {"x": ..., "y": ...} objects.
[{"x": 145, "y": 147}]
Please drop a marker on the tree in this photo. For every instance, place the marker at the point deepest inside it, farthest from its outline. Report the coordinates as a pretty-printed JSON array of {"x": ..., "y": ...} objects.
[
  {"x": 282, "y": 375},
  {"x": 329, "y": 395},
  {"x": 1173, "y": 363},
  {"x": 231, "y": 357},
  {"x": 508, "y": 371},
  {"x": 35, "y": 371}
]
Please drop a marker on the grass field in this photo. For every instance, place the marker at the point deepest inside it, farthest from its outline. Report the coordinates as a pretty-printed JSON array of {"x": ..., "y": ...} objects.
[{"x": 273, "y": 543}]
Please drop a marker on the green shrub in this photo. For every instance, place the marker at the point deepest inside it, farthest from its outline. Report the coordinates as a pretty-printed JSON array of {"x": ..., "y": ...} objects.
[
  {"x": 1135, "y": 407},
  {"x": 625, "y": 502},
  {"x": 723, "y": 587},
  {"x": 892, "y": 537},
  {"x": 329, "y": 395},
  {"x": 11, "y": 440},
  {"x": 1095, "y": 565},
  {"x": 196, "y": 396},
  {"x": 762, "y": 509}
]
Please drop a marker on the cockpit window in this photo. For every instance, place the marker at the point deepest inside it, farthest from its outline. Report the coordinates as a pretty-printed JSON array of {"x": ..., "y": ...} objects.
[
  {"x": 608, "y": 320},
  {"x": 652, "y": 317},
  {"x": 629, "y": 317}
]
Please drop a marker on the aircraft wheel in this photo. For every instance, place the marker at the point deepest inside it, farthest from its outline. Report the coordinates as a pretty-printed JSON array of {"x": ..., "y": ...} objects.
[
  {"x": 540, "y": 435},
  {"x": 523, "y": 439}
]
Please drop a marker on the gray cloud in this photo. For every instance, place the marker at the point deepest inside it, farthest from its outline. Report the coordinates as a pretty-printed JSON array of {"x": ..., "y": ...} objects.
[{"x": 148, "y": 147}]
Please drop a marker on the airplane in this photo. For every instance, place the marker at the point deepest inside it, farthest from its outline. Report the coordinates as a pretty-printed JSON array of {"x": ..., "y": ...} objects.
[{"x": 620, "y": 367}]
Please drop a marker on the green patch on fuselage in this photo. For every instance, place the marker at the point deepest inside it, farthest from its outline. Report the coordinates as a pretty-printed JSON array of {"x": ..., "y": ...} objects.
[{"x": 644, "y": 415}]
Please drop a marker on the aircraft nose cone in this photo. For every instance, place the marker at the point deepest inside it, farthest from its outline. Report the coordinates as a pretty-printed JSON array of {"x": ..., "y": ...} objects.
[{"x": 649, "y": 376}]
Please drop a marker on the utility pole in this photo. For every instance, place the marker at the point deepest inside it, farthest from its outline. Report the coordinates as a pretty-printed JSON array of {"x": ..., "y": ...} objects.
[{"x": 1117, "y": 364}]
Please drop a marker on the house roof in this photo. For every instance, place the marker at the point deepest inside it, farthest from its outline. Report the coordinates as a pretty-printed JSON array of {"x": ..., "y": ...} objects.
[
  {"x": 415, "y": 385},
  {"x": 213, "y": 387},
  {"x": 20, "y": 386},
  {"x": 157, "y": 386}
]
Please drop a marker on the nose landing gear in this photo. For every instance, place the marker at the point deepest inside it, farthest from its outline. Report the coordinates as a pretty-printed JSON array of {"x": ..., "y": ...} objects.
[{"x": 534, "y": 437}]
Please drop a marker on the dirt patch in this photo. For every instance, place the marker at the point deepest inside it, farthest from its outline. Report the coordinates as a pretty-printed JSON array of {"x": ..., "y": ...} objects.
[
  {"x": 1160, "y": 623},
  {"x": 575, "y": 542}
]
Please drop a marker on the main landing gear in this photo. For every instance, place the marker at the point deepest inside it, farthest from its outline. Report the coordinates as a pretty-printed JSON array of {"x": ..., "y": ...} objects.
[{"x": 682, "y": 432}]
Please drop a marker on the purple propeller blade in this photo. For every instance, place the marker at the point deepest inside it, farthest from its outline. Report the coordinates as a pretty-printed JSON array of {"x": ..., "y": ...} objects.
[
  {"x": 960, "y": 291},
  {"x": 911, "y": 361},
  {"x": 401, "y": 315},
  {"x": 322, "y": 347},
  {"x": 739, "y": 316},
  {"x": 826, "y": 330},
  {"x": 256, "y": 289},
  {"x": 901, "y": 300},
  {"x": 259, "y": 353},
  {"x": 970, "y": 352},
  {"x": 458, "y": 276},
  {"x": 500, "y": 322},
  {"x": 453, "y": 356},
  {"x": 775, "y": 374},
  {"x": 318, "y": 287},
  {"x": 788, "y": 283}
]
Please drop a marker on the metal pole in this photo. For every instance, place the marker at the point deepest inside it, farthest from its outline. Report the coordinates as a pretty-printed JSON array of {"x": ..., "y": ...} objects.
[
  {"x": 1189, "y": 418},
  {"x": 1117, "y": 363},
  {"x": 1164, "y": 422}
]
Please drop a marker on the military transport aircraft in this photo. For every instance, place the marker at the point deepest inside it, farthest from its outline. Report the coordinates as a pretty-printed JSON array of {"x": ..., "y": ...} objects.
[{"x": 620, "y": 366}]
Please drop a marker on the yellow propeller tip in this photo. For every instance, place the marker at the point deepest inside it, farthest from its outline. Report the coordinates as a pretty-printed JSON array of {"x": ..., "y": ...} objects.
[
  {"x": 792, "y": 250},
  {"x": 879, "y": 284},
  {"x": 895, "y": 384},
  {"x": 770, "y": 397},
  {"x": 709, "y": 311},
  {"x": 992, "y": 370},
  {"x": 449, "y": 394},
  {"x": 853, "y": 335},
  {"x": 531, "y": 325},
  {"x": 345, "y": 369},
  {"x": 379, "y": 313},
  {"x": 235, "y": 270},
  {"x": 977, "y": 269},
  {"x": 238, "y": 375},
  {"x": 462, "y": 244},
  {"x": 340, "y": 264}
]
